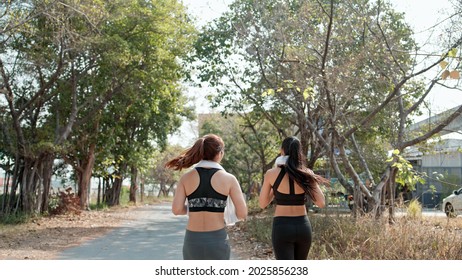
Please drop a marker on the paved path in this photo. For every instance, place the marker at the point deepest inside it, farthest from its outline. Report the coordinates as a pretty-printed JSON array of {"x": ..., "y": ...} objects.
[{"x": 156, "y": 234}]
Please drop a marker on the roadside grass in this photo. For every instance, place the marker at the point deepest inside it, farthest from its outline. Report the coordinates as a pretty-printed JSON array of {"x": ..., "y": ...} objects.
[
  {"x": 342, "y": 237},
  {"x": 14, "y": 219}
]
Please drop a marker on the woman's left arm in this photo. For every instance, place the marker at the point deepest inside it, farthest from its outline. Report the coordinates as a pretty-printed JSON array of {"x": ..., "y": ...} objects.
[{"x": 319, "y": 199}]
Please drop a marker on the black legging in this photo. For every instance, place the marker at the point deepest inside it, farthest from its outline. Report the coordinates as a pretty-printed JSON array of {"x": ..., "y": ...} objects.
[{"x": 291, "y": 237}]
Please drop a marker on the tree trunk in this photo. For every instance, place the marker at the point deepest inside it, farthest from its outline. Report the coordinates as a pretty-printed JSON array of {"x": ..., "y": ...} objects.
[
  {"x": 17, "y": 171},
  {"x": 47, "y": 172},
  {"x": 142, "y": 190},
  {"x": 32, "y": 176},
  {"x": 84, "y": 177},
  {"x": 98, "y": 198},
  {"x": 113, "y": 193},
  {"x": 6, "y": 183},
  {"x": 133, "y": 184},
  {"x": 391, "y": 196},
  {"x": 162, "y": 189}
]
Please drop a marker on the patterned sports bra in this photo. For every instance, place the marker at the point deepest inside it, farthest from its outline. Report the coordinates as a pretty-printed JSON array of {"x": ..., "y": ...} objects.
[
  {"x": 287, "y": 199},
  {"x": 205, "y": 198}
]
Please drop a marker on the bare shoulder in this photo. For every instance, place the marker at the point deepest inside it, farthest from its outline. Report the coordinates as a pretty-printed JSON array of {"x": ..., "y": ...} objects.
[
  {"x": 273, "y": 172},
  {"x": 189, "y": 175},
  {"x": 227, "y": 176}
]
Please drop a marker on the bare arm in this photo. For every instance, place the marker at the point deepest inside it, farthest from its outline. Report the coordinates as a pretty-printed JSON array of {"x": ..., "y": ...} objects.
[
  {"x": 266, "y": 193},
  {"x": 319, "y": 199},
  {"x": 178, "y": 204},
  {"x": 238, "y": 199}
]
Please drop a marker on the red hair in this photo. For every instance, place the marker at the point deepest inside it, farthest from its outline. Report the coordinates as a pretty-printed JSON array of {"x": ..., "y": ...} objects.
[{"x": 205, "y": 148}]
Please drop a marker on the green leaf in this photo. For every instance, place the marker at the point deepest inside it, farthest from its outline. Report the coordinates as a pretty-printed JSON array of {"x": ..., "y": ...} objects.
[
  {"x": 307, "y": 92},
  {"x": 452, "y": 52},
  {"x": 268, "y": 92}
]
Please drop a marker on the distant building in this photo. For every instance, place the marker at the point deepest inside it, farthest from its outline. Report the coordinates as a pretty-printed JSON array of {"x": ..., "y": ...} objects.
[{"x": 442, "y": 165}]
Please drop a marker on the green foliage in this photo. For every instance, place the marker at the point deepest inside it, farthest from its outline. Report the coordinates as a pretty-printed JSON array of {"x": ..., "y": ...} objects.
[
  {"x": 101, "y": 206},
  {"x": 406, "y": 175},
  {"x": 86, "y": 74},
  {"x": 253, "y": 206},
  {"x": 290, "y": 73},
  {"x": 125, "y": 196},
  {"x": 15, "y": 218},
  {"x": 414, "y": 209},
  {"x": 260, "y": 228}
]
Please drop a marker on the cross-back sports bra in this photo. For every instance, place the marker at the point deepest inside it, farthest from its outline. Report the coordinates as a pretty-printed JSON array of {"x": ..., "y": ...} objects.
[
  {"x": 287, "y": 199},
  {"x": 204, "y": 197}
]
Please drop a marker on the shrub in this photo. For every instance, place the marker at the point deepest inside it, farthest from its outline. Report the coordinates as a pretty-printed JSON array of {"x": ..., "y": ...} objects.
[
  {"x": 64, "y": 202},
  {"x": 414, "y": 210}
]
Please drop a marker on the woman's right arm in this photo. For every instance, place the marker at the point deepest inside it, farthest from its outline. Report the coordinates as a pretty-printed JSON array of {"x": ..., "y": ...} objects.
[
  {"x": 178, "y": 204},
  {"x": 266, "y": 193}
]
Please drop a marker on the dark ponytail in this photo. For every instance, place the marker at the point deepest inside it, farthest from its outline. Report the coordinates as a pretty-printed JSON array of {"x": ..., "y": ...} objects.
[
  {"x": 296, "y": 168},
  {"x": 205, "y": 148}
]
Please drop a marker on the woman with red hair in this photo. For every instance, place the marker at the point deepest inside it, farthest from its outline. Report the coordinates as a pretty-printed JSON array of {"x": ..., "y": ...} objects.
[{"x": 206, "y": 188}]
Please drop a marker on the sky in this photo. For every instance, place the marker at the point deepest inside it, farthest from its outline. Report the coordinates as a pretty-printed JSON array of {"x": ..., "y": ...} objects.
[{"x": 420, "y": 14}]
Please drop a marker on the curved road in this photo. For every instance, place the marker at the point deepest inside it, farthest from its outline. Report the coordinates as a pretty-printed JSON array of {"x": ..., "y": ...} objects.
[{"x": 156, "y": 234}]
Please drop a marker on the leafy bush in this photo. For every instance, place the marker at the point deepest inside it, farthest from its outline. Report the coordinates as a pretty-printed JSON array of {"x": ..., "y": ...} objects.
[{"x": 64, "y": 202}]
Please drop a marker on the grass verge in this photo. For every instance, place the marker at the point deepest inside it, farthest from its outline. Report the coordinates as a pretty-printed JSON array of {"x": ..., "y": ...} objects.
[{"x": 341, "y": 237}]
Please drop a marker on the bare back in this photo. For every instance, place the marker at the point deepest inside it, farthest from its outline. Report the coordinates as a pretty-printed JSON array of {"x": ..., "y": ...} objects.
[
  {"x": 267, "y": 195},
  {"x": 206, "y": 221}
]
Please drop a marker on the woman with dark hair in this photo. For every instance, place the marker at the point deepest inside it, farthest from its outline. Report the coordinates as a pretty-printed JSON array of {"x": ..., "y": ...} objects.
[
  {"x": 289, "y": 184},
  {"x": 206, "y": 188}
]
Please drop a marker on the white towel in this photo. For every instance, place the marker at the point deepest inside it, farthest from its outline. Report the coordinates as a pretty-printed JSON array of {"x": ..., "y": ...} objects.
[
  {"x": 209, "y": 164},
  {"x": 230, "y": 210},
  {"x": 281, "y": 160}
]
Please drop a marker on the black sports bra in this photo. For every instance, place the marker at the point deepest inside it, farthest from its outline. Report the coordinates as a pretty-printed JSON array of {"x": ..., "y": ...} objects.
[
  {"x": 205, "y": 198},
  {"x": 287, "y": 199}
]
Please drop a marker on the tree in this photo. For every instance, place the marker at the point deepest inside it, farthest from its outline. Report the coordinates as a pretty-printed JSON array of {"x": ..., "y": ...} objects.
[
  {"x": 66, "y": 69},
  {"x": 39, "y": 65},
  {"x": 344, "y": 71},
  {"x": 159, "y": 34}
]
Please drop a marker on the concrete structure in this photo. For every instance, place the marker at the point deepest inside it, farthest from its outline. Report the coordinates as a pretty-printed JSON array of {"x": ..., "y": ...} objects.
[
  {"x": 425, "y": 125},
  {"x": 442, "y": 162}
]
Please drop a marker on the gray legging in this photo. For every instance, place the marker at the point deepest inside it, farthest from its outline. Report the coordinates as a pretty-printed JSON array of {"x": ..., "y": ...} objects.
[
  {"x": 291, "y": 237},
  {"x": 208, "y": 245}
]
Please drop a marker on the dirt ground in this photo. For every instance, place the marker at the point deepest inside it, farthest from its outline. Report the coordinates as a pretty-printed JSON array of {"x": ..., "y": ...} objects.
[
  {"x": 246, "y": 247},
  {"x": 44, "y": 238}
]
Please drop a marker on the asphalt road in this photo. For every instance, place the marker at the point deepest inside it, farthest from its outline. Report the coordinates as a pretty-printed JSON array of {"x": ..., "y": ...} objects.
[{"x": 156, "y": 234}]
